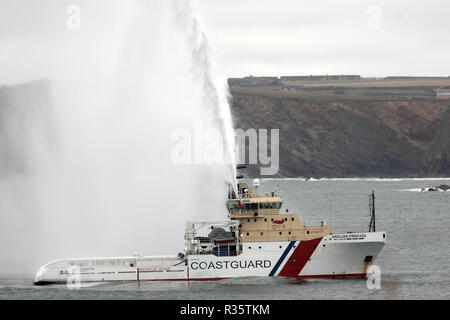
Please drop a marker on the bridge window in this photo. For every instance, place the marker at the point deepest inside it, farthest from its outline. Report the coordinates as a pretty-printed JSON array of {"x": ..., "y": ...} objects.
[
  {"x": 250, "y": 206},
  {"x": 270, "y": 205}
]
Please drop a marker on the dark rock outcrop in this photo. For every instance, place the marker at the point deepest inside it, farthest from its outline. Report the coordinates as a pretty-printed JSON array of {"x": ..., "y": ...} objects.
[{"x": 340, "y": 136}]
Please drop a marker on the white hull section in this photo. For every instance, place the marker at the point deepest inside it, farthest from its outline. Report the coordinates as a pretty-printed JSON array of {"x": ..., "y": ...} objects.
[{"x": 335, "y": 256}]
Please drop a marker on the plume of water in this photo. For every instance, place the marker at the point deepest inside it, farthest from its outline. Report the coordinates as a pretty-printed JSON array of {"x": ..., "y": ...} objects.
[{"x": 97, "y": 177}]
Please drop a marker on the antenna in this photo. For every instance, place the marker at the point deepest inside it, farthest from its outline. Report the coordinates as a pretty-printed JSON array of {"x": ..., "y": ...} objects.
[
  {"x": 372, "y": 211},
  {"x": 256, "y": 184}
]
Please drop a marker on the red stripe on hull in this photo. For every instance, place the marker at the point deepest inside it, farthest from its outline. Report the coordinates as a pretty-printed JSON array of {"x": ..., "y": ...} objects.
[
  {"x": 299, "y": 258},
  {"x": 190, "y": 279},
  {"x": 335, "y": 276}
]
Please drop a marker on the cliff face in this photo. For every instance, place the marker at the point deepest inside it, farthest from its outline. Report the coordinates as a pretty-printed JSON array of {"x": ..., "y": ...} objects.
[{"x": 333, "y": 136}]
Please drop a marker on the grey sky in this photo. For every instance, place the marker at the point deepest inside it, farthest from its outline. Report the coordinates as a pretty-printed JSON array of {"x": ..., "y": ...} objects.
[
  {"x": 289, "y": 37},
  {"x": 259, "y": 37}
]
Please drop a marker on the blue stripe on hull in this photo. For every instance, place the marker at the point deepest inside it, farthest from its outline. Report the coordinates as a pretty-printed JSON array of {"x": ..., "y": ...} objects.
[{"x": 280, "y": 261}]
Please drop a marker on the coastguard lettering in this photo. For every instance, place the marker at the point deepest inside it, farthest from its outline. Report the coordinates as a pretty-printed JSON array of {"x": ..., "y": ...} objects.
[{"x": 243, "y": 264}]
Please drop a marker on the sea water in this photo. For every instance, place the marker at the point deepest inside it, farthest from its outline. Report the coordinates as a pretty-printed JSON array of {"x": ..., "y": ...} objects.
[{"x": 413, "y": 263}]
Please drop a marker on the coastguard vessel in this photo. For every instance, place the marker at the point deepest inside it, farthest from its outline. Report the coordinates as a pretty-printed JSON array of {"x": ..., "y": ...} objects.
[{"x": 257, "y": 239}]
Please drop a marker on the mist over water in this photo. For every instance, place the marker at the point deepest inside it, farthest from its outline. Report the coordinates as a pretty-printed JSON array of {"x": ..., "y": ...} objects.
[{"x": 95, "y": 175}]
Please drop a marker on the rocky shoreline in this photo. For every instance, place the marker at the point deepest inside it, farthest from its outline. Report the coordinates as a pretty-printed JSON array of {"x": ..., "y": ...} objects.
[{"x": 442, "y": 187}]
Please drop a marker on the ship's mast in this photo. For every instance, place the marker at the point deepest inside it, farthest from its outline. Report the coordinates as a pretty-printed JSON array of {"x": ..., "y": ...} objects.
[{"x": 372, "y": 211}]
